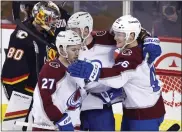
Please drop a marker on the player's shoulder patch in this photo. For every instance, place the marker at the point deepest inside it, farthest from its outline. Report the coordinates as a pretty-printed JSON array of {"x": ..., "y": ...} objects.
[
  {"x": 101, "y": 33},
  {"x": 104, "y": 38},
  {"x": 133, "y": 55},
  {"x": 54, "y": 64},
  {"x": 21, "y": 34},
  {"x": 126, "y": 52}
]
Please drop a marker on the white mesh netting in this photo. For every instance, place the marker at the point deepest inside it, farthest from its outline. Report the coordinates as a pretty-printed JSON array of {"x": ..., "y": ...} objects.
[{"x": 172, "y": 82}]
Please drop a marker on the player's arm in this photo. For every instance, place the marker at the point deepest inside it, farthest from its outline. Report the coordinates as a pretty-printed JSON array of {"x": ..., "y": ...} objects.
[
  {"x": 49, "y": 76},
  {"x": 126, "y": 61},
  {"x": 47, "y": 86},
  {"x": 62, "y": 22},
  {"x": 15, "y": 70},
  {"x": 114, "y": 77},
  {"x": 104, "y": 38},
  {"x": 143, "y": 35},
  {"x": 151, "y": 46},
  {"x": 116, "y": 69},
  {"x": 94, "y": 71}
]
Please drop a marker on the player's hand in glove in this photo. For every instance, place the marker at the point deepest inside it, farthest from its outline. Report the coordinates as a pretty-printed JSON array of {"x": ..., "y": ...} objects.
[
  {"x": 65, "y": 124},
  {"x": 112, "y": 96},
  {"x": 151, "y": 49},
  {"x": 143, "y": 34},
  {"x": 89, "y": 70}
]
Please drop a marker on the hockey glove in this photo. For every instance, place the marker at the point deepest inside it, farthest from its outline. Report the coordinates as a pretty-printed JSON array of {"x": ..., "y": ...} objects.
[
  {"x": 143, "y": 34},
  {"x": 89, "y": 70},
  {"x": 65, "y": 124},
  {"x": 151, "y": 49},
  {"x": 112, "y": 96}
]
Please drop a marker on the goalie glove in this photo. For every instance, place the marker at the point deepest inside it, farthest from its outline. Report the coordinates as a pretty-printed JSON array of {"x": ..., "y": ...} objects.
[
  {"x": 112, "y": 96},
  {"x": 89, "y": 70},
  {"x": 151, "y": 49}
]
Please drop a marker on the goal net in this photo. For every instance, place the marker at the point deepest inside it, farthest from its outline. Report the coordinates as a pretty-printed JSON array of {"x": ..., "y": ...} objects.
[{"x": 172, "y": 91}]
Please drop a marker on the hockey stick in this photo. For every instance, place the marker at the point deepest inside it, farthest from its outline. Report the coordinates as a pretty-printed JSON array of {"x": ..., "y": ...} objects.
[
  {"x": 24, "y": 128},
  {"x": 63, "y": 4},
  {"x": 36, "y": 48},
  {"x": 18, "y": 123},
  {"x": 174, "y": 127},
  {"x": 21, "y": 25}
]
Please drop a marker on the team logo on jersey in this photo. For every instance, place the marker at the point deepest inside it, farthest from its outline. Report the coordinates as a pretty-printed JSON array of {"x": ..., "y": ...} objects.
[
  {"x": 51, "y": 54},
  {"x": 54, "y": 64},
  {"x": 21, "y": 34},
  {"x": 127, "y": 52},
  {"x": 74, "y": 101},
  {"x": 101, "y": 33}
]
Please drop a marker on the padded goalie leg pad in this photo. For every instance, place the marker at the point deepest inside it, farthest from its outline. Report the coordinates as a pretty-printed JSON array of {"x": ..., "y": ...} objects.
[{"x": 17, "y": 110}]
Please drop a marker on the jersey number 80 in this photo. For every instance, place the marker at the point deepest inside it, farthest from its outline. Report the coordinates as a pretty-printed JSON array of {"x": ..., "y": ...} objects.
[{"x": 16, "y": 54}]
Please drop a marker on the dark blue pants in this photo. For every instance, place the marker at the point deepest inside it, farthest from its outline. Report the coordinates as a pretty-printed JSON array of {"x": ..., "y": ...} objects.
[
  {"x": 141, "y": 125},
  {"x": 98, "y": 120}
]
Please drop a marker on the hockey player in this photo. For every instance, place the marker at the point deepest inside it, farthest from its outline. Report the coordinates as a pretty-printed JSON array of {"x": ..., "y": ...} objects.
[
  {"x": 21, "y": 51},
  {"x": 95, "y": 115},
  {"x": 26, "y": 55},
  {"x": 143, "y": 108},
  {"x": 62, "y": 21},
  {"x": 26, "y": 7},
  {"x": 60, "y": 26},
  {"x": 57, "y": 97}
]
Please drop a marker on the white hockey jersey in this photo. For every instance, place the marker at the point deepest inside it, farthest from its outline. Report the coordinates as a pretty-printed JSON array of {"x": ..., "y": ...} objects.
[
  {"x": 140, "y": 84},
  {"x": 56, "y": 93},
  {"x": 101, "y": 48}
]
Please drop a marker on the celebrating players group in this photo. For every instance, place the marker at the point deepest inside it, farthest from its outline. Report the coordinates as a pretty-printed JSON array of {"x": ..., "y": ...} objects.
[{"x": 75, "y": 82}]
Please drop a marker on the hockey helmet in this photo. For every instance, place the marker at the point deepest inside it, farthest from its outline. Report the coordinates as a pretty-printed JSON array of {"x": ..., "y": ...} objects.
[
  {"x": 127, "y": 24},
  {"x": 65, "y": 38},
  {"x": 81, "y": 20},
  {"x": 46, "y": 14}
]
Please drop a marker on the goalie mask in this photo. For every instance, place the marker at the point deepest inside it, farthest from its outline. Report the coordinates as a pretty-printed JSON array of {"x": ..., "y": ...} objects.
[
  {"x": 67, "y": 38},
  {"x": 124, "y": 26},
  {"x": 46, "y": 14},
  {"x": 81, "y": 20}
]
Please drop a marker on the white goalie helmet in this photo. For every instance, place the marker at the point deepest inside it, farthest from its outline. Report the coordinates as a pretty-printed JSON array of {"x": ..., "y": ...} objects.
[
  {"x": 127, "y": 24},
  {"x": 81, "y": 20},
  {"x": 65, "y": 38}
]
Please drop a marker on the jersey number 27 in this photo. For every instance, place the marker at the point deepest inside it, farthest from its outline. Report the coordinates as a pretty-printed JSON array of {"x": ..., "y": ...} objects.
[{"x": 47, "y": 83}]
